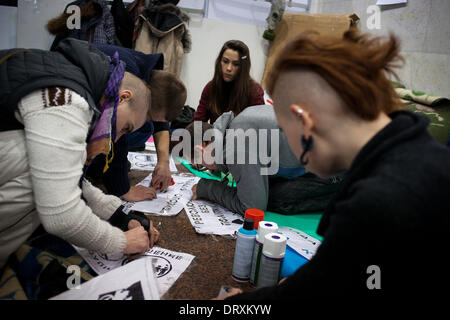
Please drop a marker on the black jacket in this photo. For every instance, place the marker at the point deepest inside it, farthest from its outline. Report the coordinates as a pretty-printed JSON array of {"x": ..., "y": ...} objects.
[
  {"x": 392, "y": 212},
  {"x": 97, "y": 23},
  {"x": 75, "y": 65},
  {"x": 123, "y": 23}
]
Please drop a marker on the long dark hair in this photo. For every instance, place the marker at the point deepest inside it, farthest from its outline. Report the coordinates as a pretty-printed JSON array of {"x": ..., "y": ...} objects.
[{"x": 239, "y": 95}]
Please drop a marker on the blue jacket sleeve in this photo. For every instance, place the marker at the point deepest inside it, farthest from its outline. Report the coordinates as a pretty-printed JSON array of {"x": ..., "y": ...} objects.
[{"x": 160, "y": 126}]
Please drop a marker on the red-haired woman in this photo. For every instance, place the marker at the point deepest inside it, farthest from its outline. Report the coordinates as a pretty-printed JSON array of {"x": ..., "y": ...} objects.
[
  {"x": 232, "y": 88},
  {"x": 386, "y": 230}
]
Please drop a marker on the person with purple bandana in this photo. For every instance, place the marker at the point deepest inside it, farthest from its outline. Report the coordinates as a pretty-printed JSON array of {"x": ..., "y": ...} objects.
[
  {"x": 58, "y": 111},
  {"x": 148, "y": 68}
]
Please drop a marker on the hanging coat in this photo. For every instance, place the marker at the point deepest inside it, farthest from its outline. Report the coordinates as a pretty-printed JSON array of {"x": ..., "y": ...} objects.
[
  {"x": 163, "y": 30},
  {"x": 97, "y": 23}
]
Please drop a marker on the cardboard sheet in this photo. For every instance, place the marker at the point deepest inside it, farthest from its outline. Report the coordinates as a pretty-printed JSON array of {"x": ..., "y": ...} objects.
[{"x": 293, "y": 25}]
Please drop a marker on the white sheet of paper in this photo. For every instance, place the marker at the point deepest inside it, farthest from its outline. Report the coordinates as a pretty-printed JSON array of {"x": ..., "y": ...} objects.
[
  {"x": 133, "y": 281},
  {"x": 169, "y": 265},
  {"x": 167, "y": 203},
  {"x": 301, "y": 242},
  {"x": 390, "y": 2},
  {"x": 147, "y": 161},
  {"x": 150, "y": 146},
  {"x": 210, "y": 218}
]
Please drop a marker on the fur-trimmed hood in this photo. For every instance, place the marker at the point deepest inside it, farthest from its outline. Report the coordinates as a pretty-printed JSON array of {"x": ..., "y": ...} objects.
[{"x": 58, "y": 24}]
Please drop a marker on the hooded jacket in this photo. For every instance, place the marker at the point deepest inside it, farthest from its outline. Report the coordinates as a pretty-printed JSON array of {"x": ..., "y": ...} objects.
[
  {"x": 163, "y": 30},
  {"x": 251, "y": 175},
  {"x": 386, "y": 230},
  {"x": 97, "y": 23},
  {"x": 123, "y": 23}
]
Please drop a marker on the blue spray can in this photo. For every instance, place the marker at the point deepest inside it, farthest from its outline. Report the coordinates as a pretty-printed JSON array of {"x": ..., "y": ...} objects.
[{"x": 243, "y": 252}]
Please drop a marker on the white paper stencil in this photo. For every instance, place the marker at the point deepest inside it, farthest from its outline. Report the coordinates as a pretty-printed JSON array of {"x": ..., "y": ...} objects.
[
  {"x": 133, "y": 281},
  {"x": 210, "y": 218},
  {"x": 167, "y": 203},
  {"x": 147, "y": 161},
  {"x": 168, "y": 265}
]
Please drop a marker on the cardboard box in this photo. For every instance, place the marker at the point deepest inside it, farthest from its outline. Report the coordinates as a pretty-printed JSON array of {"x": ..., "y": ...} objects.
[{"x": 294, "y": 24}]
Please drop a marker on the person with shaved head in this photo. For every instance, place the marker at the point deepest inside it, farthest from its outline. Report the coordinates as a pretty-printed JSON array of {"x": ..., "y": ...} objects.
[
  {"x": 385, "y": 232},
  {"x": 59, "y": 110}
]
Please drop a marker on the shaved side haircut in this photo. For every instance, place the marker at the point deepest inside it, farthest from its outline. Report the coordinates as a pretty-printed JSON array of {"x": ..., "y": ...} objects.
[{"x": 141, "y": 93}]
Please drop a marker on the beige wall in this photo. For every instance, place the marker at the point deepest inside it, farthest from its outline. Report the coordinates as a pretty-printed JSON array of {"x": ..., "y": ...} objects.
[{"x": 423, "y": 27}]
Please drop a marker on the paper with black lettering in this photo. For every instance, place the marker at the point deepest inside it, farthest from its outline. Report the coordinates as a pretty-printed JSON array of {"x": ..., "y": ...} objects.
[
  {"x": 147, "y": 161},
  {"x": 168, "y": 265},
  {"x": 210, "y": 218},
  {"x": 301, "y": 242},
  {"x": 133, "y": 281},
  {"x": 167, "y": 203}
]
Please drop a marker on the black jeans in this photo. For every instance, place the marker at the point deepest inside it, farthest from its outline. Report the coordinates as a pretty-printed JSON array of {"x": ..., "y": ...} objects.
[{"x": 305, "y": 194}]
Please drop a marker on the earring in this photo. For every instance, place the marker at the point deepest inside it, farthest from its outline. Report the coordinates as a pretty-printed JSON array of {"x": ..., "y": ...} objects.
[{"x": 307, "y": 145}]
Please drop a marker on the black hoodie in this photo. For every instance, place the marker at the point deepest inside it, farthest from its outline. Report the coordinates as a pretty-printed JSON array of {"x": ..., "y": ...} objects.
[{"x": 388, "y": 225}]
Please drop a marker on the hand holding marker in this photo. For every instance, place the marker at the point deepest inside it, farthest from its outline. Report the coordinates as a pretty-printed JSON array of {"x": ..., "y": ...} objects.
[{"x": 171, "y": 184}]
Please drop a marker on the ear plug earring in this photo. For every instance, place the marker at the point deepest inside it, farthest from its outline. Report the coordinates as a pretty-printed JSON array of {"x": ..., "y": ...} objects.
[{"x": 307, "y": 145}]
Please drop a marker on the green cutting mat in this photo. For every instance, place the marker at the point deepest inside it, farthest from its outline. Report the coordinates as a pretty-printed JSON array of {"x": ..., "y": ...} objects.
[{"x": 306, "y": 222}]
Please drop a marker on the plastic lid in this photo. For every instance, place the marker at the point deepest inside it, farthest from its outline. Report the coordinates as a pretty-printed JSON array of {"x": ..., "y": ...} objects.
[
  {"x": 248, "y": 224},
  {"x": 255, "y": 214},
  {"x": 265, "y": 227},
  {"x": 274, "y": 245}
]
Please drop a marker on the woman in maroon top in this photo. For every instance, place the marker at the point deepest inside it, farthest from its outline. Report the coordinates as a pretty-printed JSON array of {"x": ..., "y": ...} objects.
[{"x": 232, "y": 88}]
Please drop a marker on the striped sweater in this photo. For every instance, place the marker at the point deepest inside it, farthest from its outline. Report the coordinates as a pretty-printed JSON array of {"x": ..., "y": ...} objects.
[{"x": 56, "y": 122}]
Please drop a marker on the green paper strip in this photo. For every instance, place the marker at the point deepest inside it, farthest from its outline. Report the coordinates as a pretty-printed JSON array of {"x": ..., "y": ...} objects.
[{"x": 206, "y": 174}]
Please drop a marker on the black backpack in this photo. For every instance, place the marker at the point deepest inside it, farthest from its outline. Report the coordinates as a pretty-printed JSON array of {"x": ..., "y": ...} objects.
[{"x": 184, "y": 119}]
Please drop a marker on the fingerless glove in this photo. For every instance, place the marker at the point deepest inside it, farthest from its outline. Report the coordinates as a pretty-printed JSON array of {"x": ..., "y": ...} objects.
[{"x": 120, "y": 219}]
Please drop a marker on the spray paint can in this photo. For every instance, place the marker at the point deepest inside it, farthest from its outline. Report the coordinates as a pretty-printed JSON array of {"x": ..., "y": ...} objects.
[
  {"x": 264, "y": 228},
  {"x": 255, "y": 214},
  {"x": 243, "y": 252},
  {"x": 274, "y": 249}
]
